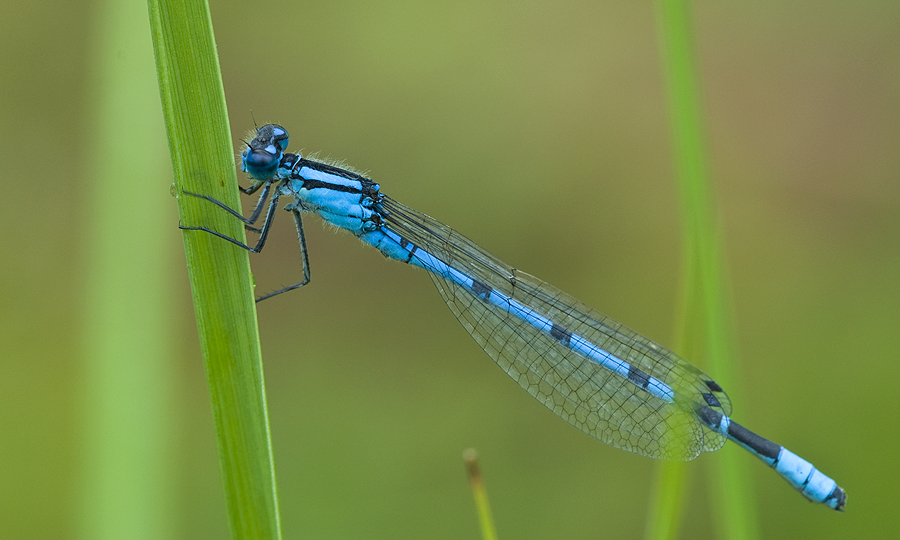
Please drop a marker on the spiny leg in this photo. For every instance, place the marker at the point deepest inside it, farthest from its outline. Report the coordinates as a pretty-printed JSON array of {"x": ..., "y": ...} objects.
[
  {"x": 302, "y": 237},
  {"x": 263, "y": 233},
  {"x": 252, "y": 189},
  {"x": 256, "y": 211},
  {"x": 259, "y": 204}
]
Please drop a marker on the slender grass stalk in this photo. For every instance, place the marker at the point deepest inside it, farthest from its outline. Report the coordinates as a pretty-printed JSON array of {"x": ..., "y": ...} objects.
[
  {"x": 125, "y": 491},
  {"x": 666, "y": 505},
  {"x": 706, "y": 331},
  {"x": 200, "y": 144},
  {"x": 479, "y": 492}
]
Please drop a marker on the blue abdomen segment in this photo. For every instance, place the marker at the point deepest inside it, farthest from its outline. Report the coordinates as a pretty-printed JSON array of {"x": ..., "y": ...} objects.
[
  {"x": 806, "y": 479},
  {"x": 798, "y": 472},
  {"x": 392, "y": 246}
]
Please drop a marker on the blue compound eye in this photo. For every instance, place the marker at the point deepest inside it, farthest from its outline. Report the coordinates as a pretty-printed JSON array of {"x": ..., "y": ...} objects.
[
  {"x": 261, "y": 163},
  {"x": 271, "y": 134},
  {"x": 278, "y": 136}
]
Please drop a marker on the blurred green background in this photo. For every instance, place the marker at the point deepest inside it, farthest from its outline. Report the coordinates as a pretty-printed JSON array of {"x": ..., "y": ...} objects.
[{"x": 538, "y": 129}]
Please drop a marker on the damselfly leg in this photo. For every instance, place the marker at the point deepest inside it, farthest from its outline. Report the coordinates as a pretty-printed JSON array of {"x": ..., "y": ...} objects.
[{"x": 263, "y": 232}]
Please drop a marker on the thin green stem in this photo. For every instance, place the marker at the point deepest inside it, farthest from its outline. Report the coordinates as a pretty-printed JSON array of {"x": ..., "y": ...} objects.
[
  {"x": 479, "y": 493},
  {"x": 706, "y": 332},
  {"x": 193, "y": 102},
  {"x": 129, "y": 370}
]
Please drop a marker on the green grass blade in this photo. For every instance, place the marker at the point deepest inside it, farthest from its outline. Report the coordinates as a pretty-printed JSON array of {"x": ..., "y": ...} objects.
[
  {"x": 129, "y": 371},
  {"x": 706, "y": 332},
  {"x": 200, "y": 144},
  {"x": 479, "y": 493},
  {"x": 666, "y": 504}
]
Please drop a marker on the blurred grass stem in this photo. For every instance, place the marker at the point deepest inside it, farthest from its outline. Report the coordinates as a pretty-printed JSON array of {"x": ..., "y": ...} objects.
[
  {"x": 127, "y": 437},
  {"x": 706, "y": 327},
  {"x": 479, "y": 492}
]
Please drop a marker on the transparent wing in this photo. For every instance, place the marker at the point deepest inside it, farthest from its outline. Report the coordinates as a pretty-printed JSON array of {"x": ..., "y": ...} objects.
[{"x": 597, "y": 401}]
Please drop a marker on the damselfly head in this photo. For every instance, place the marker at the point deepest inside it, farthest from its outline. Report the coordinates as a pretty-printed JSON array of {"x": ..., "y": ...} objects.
[{"x": 263, "y": 153}]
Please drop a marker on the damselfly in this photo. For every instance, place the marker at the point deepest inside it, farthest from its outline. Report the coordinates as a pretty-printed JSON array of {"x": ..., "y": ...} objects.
[{"x": 606, "y": 380}]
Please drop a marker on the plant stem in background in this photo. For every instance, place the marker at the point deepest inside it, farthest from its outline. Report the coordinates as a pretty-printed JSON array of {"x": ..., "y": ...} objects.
[
  {"x": 129, "y": 423},
  {"x": 706, "y": 332}
]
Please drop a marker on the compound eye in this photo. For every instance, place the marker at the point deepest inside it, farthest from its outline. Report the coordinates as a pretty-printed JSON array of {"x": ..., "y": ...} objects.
[
  {"x": 261, "y": 163},
  {"x": 271, "y": 134},
  {"x": 279, "y": 135}
]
